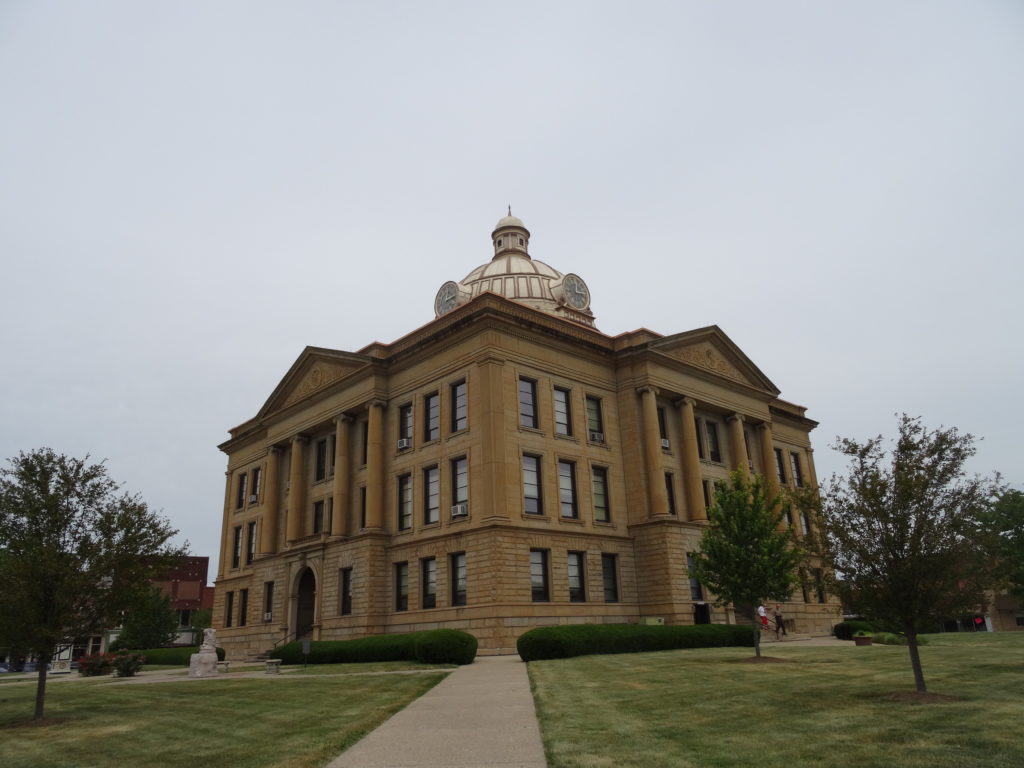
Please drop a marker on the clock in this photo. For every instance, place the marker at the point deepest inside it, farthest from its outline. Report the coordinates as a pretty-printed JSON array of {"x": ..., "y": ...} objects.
[
  {"x": 446, "y": 298},
  {"x": 577, "y": 295}
]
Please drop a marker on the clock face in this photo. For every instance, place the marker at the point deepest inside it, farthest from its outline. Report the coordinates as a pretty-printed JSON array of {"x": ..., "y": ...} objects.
[
  {"x": 446, "y": 298},
  {"x": 576, "y": 293}
]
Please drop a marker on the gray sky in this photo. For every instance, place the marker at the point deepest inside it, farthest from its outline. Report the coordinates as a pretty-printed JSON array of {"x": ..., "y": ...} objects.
[{"x": 190, "y": 193}]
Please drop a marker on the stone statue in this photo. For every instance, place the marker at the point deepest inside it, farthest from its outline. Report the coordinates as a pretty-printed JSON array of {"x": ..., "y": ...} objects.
[
  {"x": 209, "y": 638},
  {"x": 204, "y": 663}
]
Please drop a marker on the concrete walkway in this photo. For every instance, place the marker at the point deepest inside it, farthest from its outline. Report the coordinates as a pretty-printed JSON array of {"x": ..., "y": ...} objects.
[{"x": 480, "y": 716}]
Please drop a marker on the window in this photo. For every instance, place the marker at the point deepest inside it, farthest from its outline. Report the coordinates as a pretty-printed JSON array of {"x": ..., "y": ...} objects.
[
  {"x": 431, "y": 495},
  {"x": 805, "y": 523},
  {"x": 780, "y": 466},
  {"x": 602, "y": 512},
  {"x": 329, "y": 517},
  {"x": 563, "y": 415},
  {"x": 670, "y": 493},
  {"x": 574, "y": 569},
  {"x": 610, "y": 578},
  {"x": 366, "y": 440},
  {"x": 714, "y": 447},
  {"x": 404, "y": 502},
  {"x": 709, "y": 493},
  {"x": 819, "y": 585},
  {"x": 539, "y": 587},
  {"x": 460, "y": 417},
  {"x": 345, "y": 591},
  {"x": 457, "y": 576},
  {"x": 362, "y": 506},
  {"x": 240, "y": 495},
  {"x": 428, "y": 582},
  {"x": 432, "y": 415},
  {"x": 789, "y": 515},
  {"x": 268, "y": 600},
  {"x": 318, "y": 517},
  {"x": 567, "y": 489},
  {"x": 236, "y": 547},
  {"x": 696, "y": 590},
  {"x": 250, "y": 542},
  {"x": 662, "y": 431},
  {"x": 243, "y": 607},
  {"x": 746, "y": 447},
  {"x": 595, "y": 420},
  {"x": 320, "y": 465},
  {"x": 533, "y": 504},
  {"x": 254, "y": 483},
  {"x": 229, "y": 609},
  {"x": 527, "y": 403},
  {"x": 460, "y": 481},
  {"x": 401, "y": 586},
  {"x": 794, "y": 462},
  {"x": 803, "y": 586},
  {"x": 405, "y": 422}
]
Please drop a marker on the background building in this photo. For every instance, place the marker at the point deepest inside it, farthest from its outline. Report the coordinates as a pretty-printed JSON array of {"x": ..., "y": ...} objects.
[{"x": 503, "y": 467}]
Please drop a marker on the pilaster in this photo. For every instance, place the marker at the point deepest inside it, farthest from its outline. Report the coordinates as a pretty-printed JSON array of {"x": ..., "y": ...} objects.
[{"x": 657, "y": 497}]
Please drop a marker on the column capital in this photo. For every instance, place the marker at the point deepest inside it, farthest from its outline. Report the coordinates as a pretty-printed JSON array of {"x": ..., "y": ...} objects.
[
  {"x": 648, "y": 389},
  {"x": 764, "y": 425},
  {"x": 343, "y": 418},
  {"x": 686, "y": 400},
  {"x": 376, "y": 403},
  {"x": 300, "y": 439},
  {"x": 736, "y": 417}
]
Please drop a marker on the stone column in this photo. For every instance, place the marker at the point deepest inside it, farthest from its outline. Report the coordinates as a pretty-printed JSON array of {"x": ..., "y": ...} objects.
[
  {"x": 375, "y": 466},
  {"x": 297, "y": 489},
  {"x": 342, "y": 474},
  {"x": 271, "y": 502},
  {"x": 771, "y": 475},
  {"x": 738, "y": 444},
  {"x": 657, "y": 497},
  {"x": 225, "y": 534},
  {"x": 691, "y": 461}
]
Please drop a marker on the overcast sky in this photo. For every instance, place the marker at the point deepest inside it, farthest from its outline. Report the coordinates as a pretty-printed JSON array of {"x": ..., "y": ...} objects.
[{"x": 192, "y": 192}]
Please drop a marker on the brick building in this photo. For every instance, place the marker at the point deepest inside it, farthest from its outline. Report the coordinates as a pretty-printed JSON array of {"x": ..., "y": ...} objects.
[{"x": 505, "y": 466}]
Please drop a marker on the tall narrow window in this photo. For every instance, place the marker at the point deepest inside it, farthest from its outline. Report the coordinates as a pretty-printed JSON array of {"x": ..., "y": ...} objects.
[
  {"x": 268, "y": 600},
  {"x": 345, "y": 591},
  {"x": 460, "y": 414},
  {"x": 527, "y": 402},
  {"x": 404, "y": 494},
  {"x": 432, "y": 417},
  {"x": 789, "y": 515},
  {"x": 457, "y": 576},
  {"x": 254, "y": 485},
  {"x": 714, "y": 447},
  {"x": 329, "y": 515},
  {"x": 803, "y": 586},
  {"x": 696, "y": 590},
  {"x": 819, "y": 585},
  {"x": 318, "y": 517},
  {"x": 428, "y": 582},
  {"x": 401, "y": 586},
  {"x": 780, "y": 466},
  {"x": 533, "y": 504},
  {"x": 595, "y": 420},
  {"x": 610, "y": 578},
  {"x": 236, "y": 547},
  {"x": 405, "y": 425},
  {"x": 574, "y": 570},
  {"x": 539, "y": 585},
  {"x": 670, "y": 493},
  {"x": 709, "y": 493},
  {"x": 431, "y": 495},
  {"x": 567, "y": 489},
  {"x": 250, "y": 542},
  {"x": 794, "y": 463},
  {"x": 563, "y": 414},
  {"x": 229, "y": 609},
  {"x": 602, "y": 511},
  {"x": 662, "y": 429},
  {"x": 240, "y": 492},
  {"x": 366, "y": 440},
  {"x": 805, "y": 523},
  {"x": 243, "y": 607},
  {"x": 746, "y": 447},
  {"x": 460, "y": 481},
  {"x": 362, "y": 506},
  {"x": 320, "y": 465},
  {"x": 698, "y": 424}
]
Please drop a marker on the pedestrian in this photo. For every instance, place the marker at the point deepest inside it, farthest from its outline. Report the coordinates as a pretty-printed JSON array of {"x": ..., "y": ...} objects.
[
  {"x": 764, "y": 617},
  {"x": 779, "y": 622}
]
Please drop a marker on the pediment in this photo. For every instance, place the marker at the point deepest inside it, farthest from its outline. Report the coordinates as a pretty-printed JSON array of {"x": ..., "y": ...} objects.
[
  {"x": 314, "y": 370},
  {"x": 711, "y": 350}
]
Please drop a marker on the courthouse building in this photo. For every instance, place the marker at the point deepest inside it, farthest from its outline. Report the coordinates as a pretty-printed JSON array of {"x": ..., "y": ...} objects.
[{"x": 505, "y": 466}]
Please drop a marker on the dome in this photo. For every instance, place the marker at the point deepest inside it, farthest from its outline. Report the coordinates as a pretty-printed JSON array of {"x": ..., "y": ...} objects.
[{"x": 509, "y": 221}]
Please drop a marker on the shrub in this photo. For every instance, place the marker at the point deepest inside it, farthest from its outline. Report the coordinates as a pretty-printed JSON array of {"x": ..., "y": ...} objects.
[
  {"x": 95, "y": 665},
  {"x": 446, "y": 649},
  {"x": 845, "y": 630},
  {"x": 582, "y": 639},
  {"x": 127, "y": 663},
  {"x": 892, "y": 638}
]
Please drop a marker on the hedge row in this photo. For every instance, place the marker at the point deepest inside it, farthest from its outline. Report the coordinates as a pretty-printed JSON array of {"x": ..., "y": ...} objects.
[
  {"x": 435, "y": 646},
  {"x": 563, "y": 642},
  {"x": 180, "y": 655},
  {"x": 845, "y": 630}
]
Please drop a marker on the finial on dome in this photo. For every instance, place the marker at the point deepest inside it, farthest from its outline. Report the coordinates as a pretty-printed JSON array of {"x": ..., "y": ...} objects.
[{"x": 510, "y": 210}]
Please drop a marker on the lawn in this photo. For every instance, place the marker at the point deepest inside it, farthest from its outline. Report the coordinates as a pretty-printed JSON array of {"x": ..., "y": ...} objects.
[
  {"x": 287, "y": 720},
  {"x": 820, "y": 706}
]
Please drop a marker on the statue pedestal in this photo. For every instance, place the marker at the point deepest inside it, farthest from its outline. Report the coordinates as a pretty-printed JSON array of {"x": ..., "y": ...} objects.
[{"x": 203, "y": 664}]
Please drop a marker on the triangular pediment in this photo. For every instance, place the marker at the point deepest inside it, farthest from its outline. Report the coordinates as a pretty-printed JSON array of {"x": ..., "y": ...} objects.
[
  {"x": 711, "y": 350},
  {"x": 314, "y": 370}
]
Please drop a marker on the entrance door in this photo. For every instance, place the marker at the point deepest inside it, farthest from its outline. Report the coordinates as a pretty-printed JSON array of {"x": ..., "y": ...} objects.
[
  {"x": 701, "y": 613},
  {"x": 306, "y": 608}
]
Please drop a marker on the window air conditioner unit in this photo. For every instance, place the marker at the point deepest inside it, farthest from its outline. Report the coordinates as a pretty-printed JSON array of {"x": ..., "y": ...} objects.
[
  {"x": 268, "y": 616},
  {"x": 664, "y": 443},
  {"x": 460, "y": 510},
  {"x": 404, "y": 444},
  {"x": 597, "y": 437},
  {"x": 253, "y": 498}
]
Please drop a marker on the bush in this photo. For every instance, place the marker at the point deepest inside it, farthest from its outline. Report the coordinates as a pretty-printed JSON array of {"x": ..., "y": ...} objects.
[
  {"x": 127, "y": 663},
  {"x": 179, "y": 655},
  {"x": 582, "y": 639},
  {"x": 439, "y": 646},
  {"x": 892, "y": 638},
  {"x": 95, "y": 665},
  {"x": 845, "y": 630}
]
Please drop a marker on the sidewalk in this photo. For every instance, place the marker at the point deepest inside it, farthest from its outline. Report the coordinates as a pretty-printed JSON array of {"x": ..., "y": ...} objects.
[{"x": 480, "y": 716}]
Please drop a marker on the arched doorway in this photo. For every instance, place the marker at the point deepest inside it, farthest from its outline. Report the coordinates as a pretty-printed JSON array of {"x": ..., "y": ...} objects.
[{"x": 305, "y": 611}]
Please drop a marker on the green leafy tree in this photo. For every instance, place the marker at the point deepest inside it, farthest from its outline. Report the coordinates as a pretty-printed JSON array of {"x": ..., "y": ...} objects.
[
  {"x": 1005, "y": 524},
  {"x": 73, "y": 552},
  {"x": 746, "y": 555},
  {"x": 151, "y": 622},
  {"x": 903, "y": 530}
]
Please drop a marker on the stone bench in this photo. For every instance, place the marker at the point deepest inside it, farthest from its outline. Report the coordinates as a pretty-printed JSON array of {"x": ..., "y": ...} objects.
[
  {"x": 273, "y": 666},
  {"x": 222, "y": 666}
]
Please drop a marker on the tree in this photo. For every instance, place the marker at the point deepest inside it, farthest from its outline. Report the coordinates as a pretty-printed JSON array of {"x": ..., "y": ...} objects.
[
  {"x": 746, "y": 556},
  {"x": 903, "y": 530},
  {"x": 73, "y": 552},
  {"x": 1005, "y": 524},
  {"x": 151, "y": 622}
]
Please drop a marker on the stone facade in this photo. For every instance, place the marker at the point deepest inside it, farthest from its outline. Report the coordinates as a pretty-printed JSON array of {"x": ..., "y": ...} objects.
[{"x": 503, "y": 467}]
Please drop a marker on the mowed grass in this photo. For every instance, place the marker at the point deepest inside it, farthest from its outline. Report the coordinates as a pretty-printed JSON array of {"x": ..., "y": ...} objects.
[
  {"x": 288, "y": 720},
  {"x": 821, "y": 706}
]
